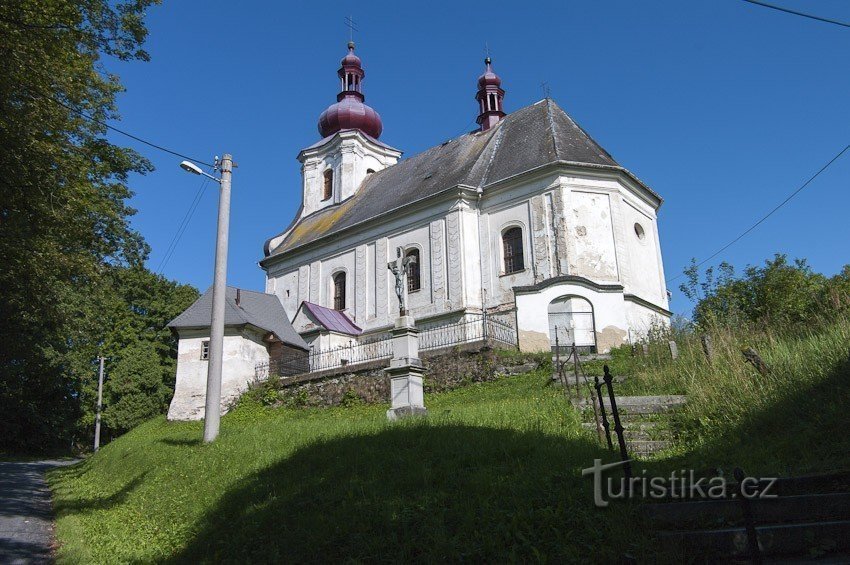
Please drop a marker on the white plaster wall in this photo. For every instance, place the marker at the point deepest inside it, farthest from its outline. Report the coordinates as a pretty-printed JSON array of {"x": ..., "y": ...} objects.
[
  {"x": 419, "y": 238},
  {"x": 501, "y": 285},
  {"x": 286, "y": 288},
  {"x": 349, "y": 156},
  {"x": 590, "y": 237},
  {"x": 642, "y": 319},
  {"x": 533, "y": 320},
  {"x": 646, "y": 275},
  {"x": 243, "y": 349}
]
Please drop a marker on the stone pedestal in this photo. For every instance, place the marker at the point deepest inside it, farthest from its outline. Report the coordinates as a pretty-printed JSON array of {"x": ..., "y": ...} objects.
[{"x": 405, "y": 372}]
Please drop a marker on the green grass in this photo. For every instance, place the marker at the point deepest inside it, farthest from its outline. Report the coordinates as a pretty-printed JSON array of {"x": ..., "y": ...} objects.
[{"x": 493, "y": 473}]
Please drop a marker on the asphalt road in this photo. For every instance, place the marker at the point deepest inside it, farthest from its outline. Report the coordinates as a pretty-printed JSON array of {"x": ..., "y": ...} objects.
[{"x": 26, "y": 517}]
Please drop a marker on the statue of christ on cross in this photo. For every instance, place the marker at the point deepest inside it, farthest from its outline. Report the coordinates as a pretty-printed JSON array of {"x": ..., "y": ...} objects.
[{"x": 399, "y": 269}]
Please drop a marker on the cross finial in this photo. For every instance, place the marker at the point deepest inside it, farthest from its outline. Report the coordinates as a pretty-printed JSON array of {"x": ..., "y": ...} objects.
[
  {"x": 545, "y": 86},
  {"x": 349, "y": 22},
  {"x": 486, "y": 50}
]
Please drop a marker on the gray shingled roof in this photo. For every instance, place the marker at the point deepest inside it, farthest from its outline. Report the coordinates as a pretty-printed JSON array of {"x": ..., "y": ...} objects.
[
  {"x": 255, "y": 308},
  {"x": 526, "y": 139}
]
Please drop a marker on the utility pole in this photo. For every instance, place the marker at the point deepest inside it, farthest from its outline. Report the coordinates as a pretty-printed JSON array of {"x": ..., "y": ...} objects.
[
  {"x": 212, "y": 411},
  {"x": 99, "y": 403}
]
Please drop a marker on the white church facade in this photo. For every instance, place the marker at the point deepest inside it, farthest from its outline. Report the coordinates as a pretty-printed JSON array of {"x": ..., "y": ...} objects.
[
  {"x": 525, "y": 231},
  {"x": 526, "y": 219}
]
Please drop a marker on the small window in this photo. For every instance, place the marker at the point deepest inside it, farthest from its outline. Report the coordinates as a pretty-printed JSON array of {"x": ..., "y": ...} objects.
[
  {"x": 205, "y": 350},
  {"x": 414, "y": 281},
  {"x": 639, "y": 232},
  {"x": 328, "y": 190},
  {"x": 370, "y": 171},
  {"x": 339, "y": 291},
  {"x": 512, "y": 246}
]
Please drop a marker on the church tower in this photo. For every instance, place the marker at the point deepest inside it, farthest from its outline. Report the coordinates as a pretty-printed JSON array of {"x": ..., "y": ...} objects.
[
  {"x": 490, "y": 96},
  {"x": 334, "y": 168}
]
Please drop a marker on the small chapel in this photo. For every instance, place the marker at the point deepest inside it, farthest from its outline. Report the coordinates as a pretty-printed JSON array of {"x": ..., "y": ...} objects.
[{"x": 525, "y": 222}]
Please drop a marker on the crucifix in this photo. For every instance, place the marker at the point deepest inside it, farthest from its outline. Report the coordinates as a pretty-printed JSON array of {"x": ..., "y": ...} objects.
[
  {"x": 399, "y": 269},
  {"x": 349, "y": 22}
]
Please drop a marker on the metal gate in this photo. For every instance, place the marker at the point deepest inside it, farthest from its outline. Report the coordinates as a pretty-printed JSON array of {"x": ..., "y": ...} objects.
[{"x": 571, "y": 321}]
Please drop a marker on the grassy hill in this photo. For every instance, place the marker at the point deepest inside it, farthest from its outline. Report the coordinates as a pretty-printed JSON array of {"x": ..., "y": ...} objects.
[{"x": 492, "y": 474}]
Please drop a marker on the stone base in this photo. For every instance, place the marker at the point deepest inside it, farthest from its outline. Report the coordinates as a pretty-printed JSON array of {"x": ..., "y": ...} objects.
[{"x": 394, "y": 414}]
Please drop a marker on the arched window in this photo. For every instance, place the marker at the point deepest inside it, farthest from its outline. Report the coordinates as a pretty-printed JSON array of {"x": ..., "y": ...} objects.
[
  {"x": 339, "y": 291},
  {"x": 512, "y": 246},
  {"x": 414, "y": 281},
  {"x": 328, "y": 191}
]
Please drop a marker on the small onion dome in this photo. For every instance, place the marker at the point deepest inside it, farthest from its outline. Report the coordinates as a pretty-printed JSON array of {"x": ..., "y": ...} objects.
[
  {"x": 351, "y": 58},
  {"x": 350, "y": 113},
  {"x": 489, "y": 77}
]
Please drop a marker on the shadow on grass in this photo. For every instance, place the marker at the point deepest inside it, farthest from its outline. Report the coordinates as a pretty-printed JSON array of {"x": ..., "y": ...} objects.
[
  {"x": 805, "y": 431},
  {"x": 85, "y": 505},
  {"x": 185, "y": 442},
  {"x": 418, "y": 492}
]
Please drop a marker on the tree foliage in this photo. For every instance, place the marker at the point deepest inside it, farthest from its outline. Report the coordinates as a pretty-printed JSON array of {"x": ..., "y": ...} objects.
[
  {"x": 780, "y": 292},
  {"x": 67, "y": 250}
]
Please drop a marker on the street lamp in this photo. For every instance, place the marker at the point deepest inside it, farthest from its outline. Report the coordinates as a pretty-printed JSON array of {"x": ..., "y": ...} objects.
[{"x": 212, "y": 411}]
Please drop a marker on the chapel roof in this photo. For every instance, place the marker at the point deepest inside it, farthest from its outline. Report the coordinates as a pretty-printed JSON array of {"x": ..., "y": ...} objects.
[
  {"x": 332, "y": 320},
  {"x": 258, "y": 309},
  {"x": 530, "y": 137}
]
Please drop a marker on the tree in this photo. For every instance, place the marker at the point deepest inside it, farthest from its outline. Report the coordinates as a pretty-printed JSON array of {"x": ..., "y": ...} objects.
[
  {"x": 780, "y": 292},
  {"x": 63, "y": 213}
]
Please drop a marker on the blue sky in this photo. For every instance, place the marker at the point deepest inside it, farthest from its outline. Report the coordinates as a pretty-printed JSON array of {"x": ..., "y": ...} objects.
[{"x": 722, "y": 107}]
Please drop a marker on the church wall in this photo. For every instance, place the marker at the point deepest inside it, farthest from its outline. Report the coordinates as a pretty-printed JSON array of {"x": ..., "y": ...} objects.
[
  {"x": 645, "y": 278},
  {"x": 642, "y": 320},
  {"x": 609, "y": 315},
  {"x": 420, "y": 239},
  {"x": 590, "y": 236},
  {"x": 497, "y": 222}
]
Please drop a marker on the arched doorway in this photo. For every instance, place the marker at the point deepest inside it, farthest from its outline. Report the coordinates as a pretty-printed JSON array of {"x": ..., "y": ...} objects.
[{"x": 571, "y": 319}]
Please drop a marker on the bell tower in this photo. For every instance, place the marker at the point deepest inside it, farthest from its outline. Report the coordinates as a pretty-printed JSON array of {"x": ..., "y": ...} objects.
[
  {"x": 334, "y": 168},
  {"x": 490, "y": 96}
]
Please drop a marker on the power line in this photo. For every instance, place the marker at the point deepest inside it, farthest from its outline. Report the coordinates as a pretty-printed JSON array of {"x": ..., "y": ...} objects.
[
  {"x": 769, "y": 214},
  {"x": 181, "y": 228},
  {"x": 796, "y": 13},
  {"x": 130, "y": 135}
]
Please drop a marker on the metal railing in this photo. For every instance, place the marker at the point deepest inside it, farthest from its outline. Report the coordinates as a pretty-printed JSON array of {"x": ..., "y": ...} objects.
[{"x": 470, "y": 329}]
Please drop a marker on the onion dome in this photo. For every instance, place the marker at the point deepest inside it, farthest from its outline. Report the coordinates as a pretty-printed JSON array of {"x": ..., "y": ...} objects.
[
  {"x": 350, "y": 112},
  {"x": 490, "y": 97},
  {"x": 489, "y": 77}
]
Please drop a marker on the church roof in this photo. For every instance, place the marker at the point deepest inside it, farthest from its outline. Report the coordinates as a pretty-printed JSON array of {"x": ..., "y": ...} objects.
[
  {"x": 332, "y": 320},
  {"x": 536, "y": 135},
  {"x": 255, "y": 308}
]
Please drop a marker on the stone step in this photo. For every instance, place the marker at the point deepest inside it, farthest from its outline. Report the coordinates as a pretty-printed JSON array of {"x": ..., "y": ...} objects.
[
  {"x": 774, "y": 540},
  {"x": 517, "y": 369},
  {"x": 726, "y": 512},
  {"x": 643, "y": 448},
  {"x": 571, "y": 377},
  {"x": 636, "y": 431},
  {"x": 639, "y": 405}
]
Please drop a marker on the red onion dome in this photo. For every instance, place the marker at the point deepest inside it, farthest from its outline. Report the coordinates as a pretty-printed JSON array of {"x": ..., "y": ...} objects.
[
  {"x": 350, "y": 113},
  {"x": 351, "y": 58},
  {"x": 489, "y": 77}
]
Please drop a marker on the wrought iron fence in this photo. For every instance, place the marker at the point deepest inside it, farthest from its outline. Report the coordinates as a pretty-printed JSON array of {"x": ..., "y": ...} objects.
[{"x": 471, "y": 329}]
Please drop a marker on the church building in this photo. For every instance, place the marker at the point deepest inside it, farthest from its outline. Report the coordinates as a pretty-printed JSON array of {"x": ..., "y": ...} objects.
[{"x": 526, "y": 218}]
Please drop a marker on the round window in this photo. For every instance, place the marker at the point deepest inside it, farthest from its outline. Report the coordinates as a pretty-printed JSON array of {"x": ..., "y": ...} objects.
[{"x": 639, "y": 231}]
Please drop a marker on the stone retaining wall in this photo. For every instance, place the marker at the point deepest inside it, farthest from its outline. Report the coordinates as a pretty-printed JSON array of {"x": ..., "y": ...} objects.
[{"x": 445, "y": 370}]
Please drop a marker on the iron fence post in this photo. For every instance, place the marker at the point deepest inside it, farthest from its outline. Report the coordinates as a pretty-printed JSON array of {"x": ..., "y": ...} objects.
[
  {"x": 618, "y": 427},
  {"x": 749, "y": 521},
  {"x": 605, "y": 423}
]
